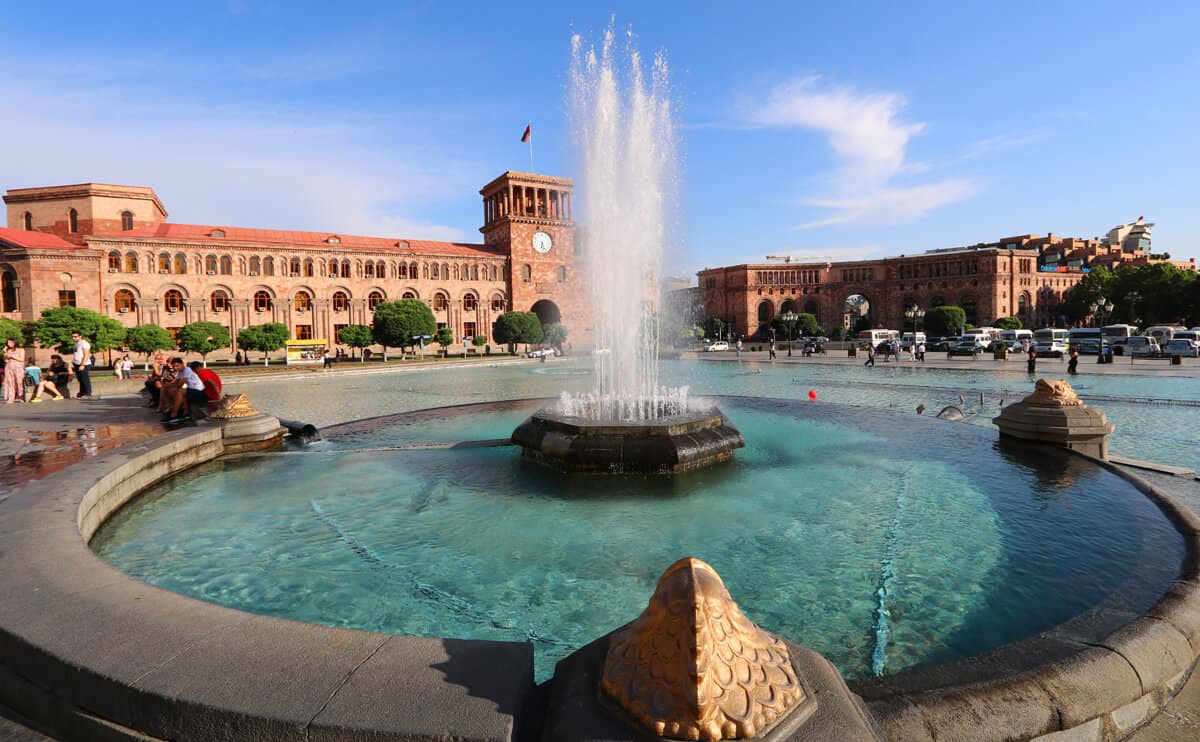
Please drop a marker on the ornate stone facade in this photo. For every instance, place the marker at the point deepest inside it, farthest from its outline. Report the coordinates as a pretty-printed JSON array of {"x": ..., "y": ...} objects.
[{"x": 109, "y": 248}]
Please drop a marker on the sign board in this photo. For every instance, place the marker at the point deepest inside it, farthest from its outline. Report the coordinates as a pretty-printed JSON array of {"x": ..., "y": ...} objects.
[{"x": 306, "y": 352}]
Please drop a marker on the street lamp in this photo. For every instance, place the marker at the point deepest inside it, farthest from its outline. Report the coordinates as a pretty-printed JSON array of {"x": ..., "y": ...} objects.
[
  {"x": 1133, "y": 297},
  {"x": 915, "y": 315},
  {"x": 1100, "y": 308},
  {"x": 789, "y": 320}
]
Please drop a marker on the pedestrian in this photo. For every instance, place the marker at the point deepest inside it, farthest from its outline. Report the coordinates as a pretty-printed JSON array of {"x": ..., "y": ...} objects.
[
  {"x": 870, "y": 355},
  {"x": 1031, "y": 361},
  {"x": 126, "y": 368},
  {"x": 1073, "y": 364},
  {"x": 771, "y": 349},
  {"x": 739, "y": 348},
  {"x": 921, "y": 351},
  {"x": 328, "y": 358},
  {"x": 14, "y": 372},
  {"x": 81, "y": 361}
]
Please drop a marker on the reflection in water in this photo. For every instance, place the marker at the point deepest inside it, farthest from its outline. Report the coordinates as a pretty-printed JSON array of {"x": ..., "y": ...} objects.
[{"x": 54, "y": 450}]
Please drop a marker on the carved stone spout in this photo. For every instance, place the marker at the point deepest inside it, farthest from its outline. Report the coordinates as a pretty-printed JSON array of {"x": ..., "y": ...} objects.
[{"x": 693, "y": 667}]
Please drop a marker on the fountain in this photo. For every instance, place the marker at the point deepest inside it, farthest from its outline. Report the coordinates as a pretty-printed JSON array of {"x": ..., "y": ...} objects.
[{"x": 629, "y": 423}]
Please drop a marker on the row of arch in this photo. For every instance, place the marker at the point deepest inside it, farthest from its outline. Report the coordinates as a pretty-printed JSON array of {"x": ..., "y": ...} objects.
[
  {"x": 262, "y": 299},
  {"x": 225, "y": 265}
]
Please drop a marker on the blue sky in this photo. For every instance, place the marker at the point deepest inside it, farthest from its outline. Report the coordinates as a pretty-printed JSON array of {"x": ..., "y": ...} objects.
[{"x": 864, "y": 129}]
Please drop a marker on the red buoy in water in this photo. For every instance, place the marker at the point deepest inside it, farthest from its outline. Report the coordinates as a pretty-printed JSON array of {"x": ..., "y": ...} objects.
[{"x": 812, "y": 394}]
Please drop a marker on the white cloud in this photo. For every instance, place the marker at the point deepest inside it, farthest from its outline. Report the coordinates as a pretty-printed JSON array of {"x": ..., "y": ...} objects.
[
  {"x": 870, "y": 142},
  {"x": 216, "y": 161}
]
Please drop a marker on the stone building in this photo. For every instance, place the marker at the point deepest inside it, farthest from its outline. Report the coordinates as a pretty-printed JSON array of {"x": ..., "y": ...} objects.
[
  {"x": 111, "y": 249},
  {"x": 1026, "y": 276}
]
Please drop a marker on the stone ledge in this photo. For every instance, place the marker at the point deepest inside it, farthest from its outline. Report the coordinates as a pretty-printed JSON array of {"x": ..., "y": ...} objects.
[{"x": 92, "y": 653}]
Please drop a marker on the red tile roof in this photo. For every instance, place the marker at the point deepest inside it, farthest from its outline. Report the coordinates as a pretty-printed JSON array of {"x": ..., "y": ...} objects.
[
  {"x": 280, "y": 237},
  {"x": 35, "y": 239}
]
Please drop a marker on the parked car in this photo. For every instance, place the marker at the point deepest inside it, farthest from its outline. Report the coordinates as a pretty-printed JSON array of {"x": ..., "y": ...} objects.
[
  {"x": 941, "y": 344},
  {"x": 966, "y": 347},
  {"x": 540, "y": 352},
  {"x": 1090, "y": 347},
  {"x": 1050, "y": 349},
  {"x": 1118, "y": 345},
  {"x": 1141, "y": 345},
  {"x": 719, "y": 345},
  {"x": 1183, "y": 347}
]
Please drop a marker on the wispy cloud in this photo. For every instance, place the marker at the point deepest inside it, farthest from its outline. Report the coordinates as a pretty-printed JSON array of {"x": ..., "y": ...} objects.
[
  {"x": 220, "y": 161},
  {"x": 870, "y": 141}
]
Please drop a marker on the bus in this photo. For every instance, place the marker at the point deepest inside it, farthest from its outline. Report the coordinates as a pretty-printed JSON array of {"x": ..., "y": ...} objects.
[
  {"x": 1076, "y": 334},
  {"x": 1016, "y": 336},
  {"x": 1051, "y": 334},
  {"x": 1162, "y": 333},
  {"x": 1118, "y": 332},
  {"x": 875, "y": 337}
]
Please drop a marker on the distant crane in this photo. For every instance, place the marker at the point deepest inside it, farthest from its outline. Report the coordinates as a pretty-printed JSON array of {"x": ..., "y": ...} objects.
[{"x": 801, "y": 258}]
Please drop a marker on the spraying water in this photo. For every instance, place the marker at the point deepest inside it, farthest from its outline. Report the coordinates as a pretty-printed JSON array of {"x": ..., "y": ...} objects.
[{"x": 626, "y": 138}]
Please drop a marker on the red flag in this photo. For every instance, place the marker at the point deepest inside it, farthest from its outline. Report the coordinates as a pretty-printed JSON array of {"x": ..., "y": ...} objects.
[{"x": 528, "y": 133}]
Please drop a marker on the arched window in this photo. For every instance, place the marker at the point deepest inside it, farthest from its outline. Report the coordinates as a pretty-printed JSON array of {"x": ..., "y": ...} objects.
[
  {"x": 474, "y": 272},
  {"x": 440, "y": 303},
  {"x": 445, "y": 271},
  {"x": 123, "y": 301},
  {"x": 374, "y": 299},
  {"x": 268, "y": 266},
  {"x": 341, "y": 302},
  {"x": 309, "y": 271},
  {"x": 210, "y": 264},
  {"x": 345, "y": 269},
  {"x": 302, "y": 302},
  {"x": 331, "y": 268},
  {"x": 412, "y": 270},
  {"x": 470, "y": 303},
  {"x": 114, "y": 261},
  {"x": 456, "y": 274},
  {"x": 8, "y": 289},
  {"x": 180, "y": 263},
  {"x": 369, "y": 269},
  {"x": 435, "y": 272},
  {"x": 562, "y": 274},
  {"x": 497, "y": 303},
  {"x": 466, "y": 272},
  {"x": 126, "y": 221},
  {"x": 409, "y": 295},
  {"x": 72, "y": 221},
  {"x": 424, "y": 270},
  {"x": 173, "y": 301},
  {"x": 262, "y": 300},
  {"x": 295, "y": 267},
  {"x": 226, "y": 265},
  {"x": 403, "y": 271},
  {"x": 219, "y": 301},
  {"x": 131, "y": 262},
  {"x": 255, "y": 265},
  {"x": 526, "y": 273},
  {"x": 164, "y": 262},
  {"x": 495, "y": 272},
  {"x": 1023, "y": 302},
  {"x": 28, "y": 222}
]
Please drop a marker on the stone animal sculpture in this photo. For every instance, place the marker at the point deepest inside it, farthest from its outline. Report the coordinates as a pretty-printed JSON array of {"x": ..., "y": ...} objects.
[{"x": 1053, "y": 394}]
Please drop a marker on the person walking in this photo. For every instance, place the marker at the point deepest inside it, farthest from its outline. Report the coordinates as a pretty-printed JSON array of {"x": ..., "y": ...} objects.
[
  {"x": 1073, "y": 364},
  {"x": 870, "y": 355},
  {"x": 1031, "y": 361},
  {"x": 14, "y": 372},
  {"x": 921, "y": 351},
  {"x": 81, "y": 361}
]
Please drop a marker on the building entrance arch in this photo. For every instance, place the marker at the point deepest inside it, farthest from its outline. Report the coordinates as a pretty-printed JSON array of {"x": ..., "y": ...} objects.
[
  {"x": 858, "y": 310},
  {"x": 546, "y": 311}
]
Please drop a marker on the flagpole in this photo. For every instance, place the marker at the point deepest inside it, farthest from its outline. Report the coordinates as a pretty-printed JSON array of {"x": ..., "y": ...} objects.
[{"x": 531, "y": 168}]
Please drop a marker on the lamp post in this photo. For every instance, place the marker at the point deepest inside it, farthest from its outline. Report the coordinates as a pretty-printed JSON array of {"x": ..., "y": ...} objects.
[
  {"x": 1133, "y": 297},
  {"x": 916, "y": 315},
  {"x": 789, "y": 320},
  {"x": 1100, "y": 308}
]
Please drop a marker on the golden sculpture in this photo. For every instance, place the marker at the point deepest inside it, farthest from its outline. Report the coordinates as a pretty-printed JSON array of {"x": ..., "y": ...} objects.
[
  {"x": 1053, "y": 394},
  {"x": 693, "y": 667},
  {"x": 232, "y": 406}
]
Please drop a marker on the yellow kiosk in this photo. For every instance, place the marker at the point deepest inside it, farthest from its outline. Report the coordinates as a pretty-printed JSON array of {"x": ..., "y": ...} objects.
[{"x": 306, "y": 352}]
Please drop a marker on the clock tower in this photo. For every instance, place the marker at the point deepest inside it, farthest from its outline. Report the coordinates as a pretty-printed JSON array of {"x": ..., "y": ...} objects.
[{"x": 529, "y": 218}]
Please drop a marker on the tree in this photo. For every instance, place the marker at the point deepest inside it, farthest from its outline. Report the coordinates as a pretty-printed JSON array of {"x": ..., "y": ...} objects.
[
  {"x": 358, "y": 337},
  {"x": 203, "y": 338},
  {"x": 268, "y": 337},
  {"x": 714, "y": 328},
  {"x": 401, "y": 324},
  {"x": 54, "y": 328},
  {"x": 517, "y": 327},
  {"x": 942, "y": 321},
  {"x": 444, "y": 337},
  {"x": 554, "y": 335},
  {"x": 10, "y": 329},
  {"x": 1009, "y": 323},
  {"x": 479, "y": 341},
  {"x": 148, "y": 339}
]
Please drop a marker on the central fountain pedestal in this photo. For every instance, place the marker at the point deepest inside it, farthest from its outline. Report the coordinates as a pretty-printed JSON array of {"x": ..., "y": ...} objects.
[{"x": 667, "y": 446}]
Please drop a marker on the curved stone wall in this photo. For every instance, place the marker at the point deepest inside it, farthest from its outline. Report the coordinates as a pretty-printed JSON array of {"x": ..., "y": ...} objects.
[{"x": 92, "y": 653}]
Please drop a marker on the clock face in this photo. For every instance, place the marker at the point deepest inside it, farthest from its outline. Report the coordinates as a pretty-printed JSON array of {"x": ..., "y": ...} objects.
[{"x": 542, "y": 242}]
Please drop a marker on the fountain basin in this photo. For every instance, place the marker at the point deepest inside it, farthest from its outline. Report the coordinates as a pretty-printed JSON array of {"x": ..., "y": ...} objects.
[{"x": 666, "y": 446}]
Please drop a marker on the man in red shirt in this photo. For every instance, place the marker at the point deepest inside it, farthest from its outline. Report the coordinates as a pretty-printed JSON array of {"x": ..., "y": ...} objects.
[{"x": 212, "y": 382}]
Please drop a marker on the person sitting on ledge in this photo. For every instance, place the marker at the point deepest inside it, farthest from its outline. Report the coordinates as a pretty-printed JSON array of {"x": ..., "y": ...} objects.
[
  {"x": 186, "y": 391},
  {"x": 34, "y": 373},
  {"x": 212, "y": 382}
]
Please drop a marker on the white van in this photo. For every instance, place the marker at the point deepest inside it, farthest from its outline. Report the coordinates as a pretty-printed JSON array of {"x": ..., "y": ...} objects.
[
  {"x": 875, "y": 337},
  {"x": 1142, "y": 345},
  {"x": 1162, "y": 333},
  {"x": 909, "y": 339},
  {"x": 983, "y": 336}
]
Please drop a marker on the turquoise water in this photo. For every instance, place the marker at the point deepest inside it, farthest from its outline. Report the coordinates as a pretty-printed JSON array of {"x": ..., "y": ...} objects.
[
  {"x": 882, "y": 540},
  {"x": 1156, "y": 432}
]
